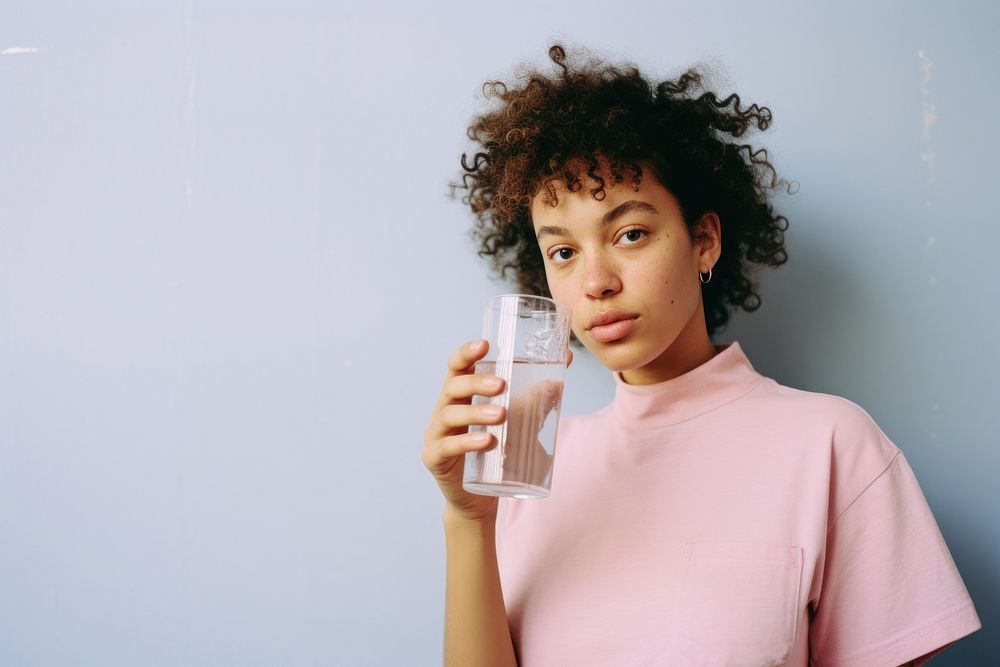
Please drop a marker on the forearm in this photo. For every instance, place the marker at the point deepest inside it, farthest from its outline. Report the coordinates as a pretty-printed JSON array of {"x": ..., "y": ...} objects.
[{"x": 476, "y": 631}]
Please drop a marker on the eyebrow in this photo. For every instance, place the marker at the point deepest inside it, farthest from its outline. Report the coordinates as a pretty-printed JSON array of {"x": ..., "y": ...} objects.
[{"x": 623, "y": 209}]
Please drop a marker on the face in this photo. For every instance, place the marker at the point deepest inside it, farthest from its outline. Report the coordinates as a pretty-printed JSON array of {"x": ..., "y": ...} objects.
[{"x": 629, "y": 269}]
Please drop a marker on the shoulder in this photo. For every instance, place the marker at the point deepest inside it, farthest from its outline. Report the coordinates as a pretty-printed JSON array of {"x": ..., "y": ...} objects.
[
  {"x": 838, "y": 433},
  {"x": 845, "y": 420}
]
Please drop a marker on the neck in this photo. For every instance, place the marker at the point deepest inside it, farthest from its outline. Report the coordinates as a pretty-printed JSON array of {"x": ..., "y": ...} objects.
[{"x": 690, "y": 349}]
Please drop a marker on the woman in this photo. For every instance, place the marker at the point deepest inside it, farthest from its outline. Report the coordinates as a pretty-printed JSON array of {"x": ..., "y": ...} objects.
[{"x": 708, "y": 515}]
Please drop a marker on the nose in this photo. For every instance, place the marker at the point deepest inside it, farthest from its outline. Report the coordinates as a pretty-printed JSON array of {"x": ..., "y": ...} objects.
[{"x": 601, "y": 277}]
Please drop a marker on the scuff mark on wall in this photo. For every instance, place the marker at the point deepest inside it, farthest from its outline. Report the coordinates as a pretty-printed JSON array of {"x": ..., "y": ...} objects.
[
  {"x": 191, "y": 77},
  {"x": 929, "y": 114},
  {"x": 19, "y": 50},
  {"x": 929, "y": 117},
  {"x": 927, "y": 157}
]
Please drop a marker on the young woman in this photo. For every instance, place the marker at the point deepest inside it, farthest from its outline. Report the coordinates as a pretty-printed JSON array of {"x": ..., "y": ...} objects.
[{"x": 708, "y": 515}]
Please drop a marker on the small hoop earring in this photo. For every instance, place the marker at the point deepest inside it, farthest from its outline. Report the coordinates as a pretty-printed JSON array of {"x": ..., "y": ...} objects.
[{"x": 701, "y": 277}]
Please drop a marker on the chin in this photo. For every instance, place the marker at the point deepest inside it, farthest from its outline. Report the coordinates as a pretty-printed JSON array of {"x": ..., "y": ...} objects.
[{"x": 620, "y": 359}]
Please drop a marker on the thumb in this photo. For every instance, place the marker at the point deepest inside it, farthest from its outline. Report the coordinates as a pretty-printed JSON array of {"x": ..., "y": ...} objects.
[{"x": 569, "y": 357}]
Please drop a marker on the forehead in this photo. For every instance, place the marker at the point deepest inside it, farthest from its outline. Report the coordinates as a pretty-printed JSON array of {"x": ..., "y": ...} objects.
[{"x": 570, "y": 204}]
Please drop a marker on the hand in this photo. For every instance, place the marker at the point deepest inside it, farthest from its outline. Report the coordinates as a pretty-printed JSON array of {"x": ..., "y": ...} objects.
[{"x": 446, "y": 439}]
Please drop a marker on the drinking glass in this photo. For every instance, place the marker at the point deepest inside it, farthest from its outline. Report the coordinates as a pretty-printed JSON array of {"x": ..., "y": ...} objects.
[{"x": 528, "y": 338}]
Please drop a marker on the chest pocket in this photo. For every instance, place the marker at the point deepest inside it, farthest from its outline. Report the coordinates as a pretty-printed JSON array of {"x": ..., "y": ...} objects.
[{"x": 737, "y": 604}]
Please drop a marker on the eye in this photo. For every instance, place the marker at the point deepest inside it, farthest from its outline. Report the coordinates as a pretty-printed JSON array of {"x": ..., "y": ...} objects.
[
  {"x": 633, "y": 236},
  {"x": 560, "y": 255}
]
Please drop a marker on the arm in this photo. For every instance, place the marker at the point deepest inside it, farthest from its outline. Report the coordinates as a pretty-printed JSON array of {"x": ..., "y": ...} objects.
[{"x": 476, "y": 630}]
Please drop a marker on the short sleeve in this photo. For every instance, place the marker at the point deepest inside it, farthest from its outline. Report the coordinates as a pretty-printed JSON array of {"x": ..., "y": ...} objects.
[{"x": 891, "y": 592}]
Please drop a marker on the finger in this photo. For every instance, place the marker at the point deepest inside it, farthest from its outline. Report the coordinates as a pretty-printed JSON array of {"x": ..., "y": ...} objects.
[
  {"x": 456, "y": 445},
  {"x": 457, "y": 416},
  {"x": 463, "y": 360},
  {"x": 462, "y": 388},
  {"x": 569, "y": 357}
]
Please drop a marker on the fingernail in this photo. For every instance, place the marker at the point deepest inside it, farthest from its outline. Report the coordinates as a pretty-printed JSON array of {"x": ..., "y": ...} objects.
[
  {"x": 491, "y": 410},
  {"x": 480, "y": 437},
  {"x": 473, "y": 346},
  {"x": 493, "y": 382}
]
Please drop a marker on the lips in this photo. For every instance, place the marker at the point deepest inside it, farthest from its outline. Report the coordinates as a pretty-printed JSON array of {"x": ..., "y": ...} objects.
[{"x": 611, "y": 325}]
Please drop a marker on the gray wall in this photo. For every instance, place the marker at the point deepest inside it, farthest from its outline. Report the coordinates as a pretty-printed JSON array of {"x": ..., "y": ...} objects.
[{"x": 230, "y": 278}]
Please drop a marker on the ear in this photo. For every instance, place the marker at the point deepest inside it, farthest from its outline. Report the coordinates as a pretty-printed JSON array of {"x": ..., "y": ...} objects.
[{"x": 708, "y": 240}]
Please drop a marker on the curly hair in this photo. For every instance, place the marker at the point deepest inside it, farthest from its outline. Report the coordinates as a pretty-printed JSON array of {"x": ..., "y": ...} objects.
[{"x": 597, "y": 115}]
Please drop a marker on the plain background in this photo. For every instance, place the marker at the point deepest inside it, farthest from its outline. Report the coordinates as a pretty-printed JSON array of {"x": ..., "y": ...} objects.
[{"x": 230, "y": 277}]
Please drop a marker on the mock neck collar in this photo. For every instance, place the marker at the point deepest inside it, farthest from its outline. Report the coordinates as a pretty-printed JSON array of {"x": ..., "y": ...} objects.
[{"x": 720, "y": 380}]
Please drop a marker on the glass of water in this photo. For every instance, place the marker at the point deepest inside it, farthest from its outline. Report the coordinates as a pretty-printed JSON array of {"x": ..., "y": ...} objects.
[{"x": 528, "y": 337}]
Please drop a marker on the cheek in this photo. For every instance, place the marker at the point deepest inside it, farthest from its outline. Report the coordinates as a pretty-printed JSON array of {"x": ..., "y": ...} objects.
[
  {"x": 679, "y": 268},
  {"x": 560, "y": 280},
  {"x": 669, "y": 283},
  {"x": 552, "y": 282},
  {"x": 663, "y": 274},
  {"x": 558, "y": 289},
  {"x": 563, "y": 291}
]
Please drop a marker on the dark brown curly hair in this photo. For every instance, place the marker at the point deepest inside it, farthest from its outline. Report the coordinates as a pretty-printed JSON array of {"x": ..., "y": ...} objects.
[{"x": 548, "y": 127}]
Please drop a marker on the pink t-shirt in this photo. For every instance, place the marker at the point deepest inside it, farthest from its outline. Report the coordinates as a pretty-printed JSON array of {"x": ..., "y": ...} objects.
[{"x": 720, "y": 518}]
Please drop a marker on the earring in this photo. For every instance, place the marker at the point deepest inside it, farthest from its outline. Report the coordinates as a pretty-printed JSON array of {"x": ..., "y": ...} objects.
[{"x": 701, "y": 276}]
